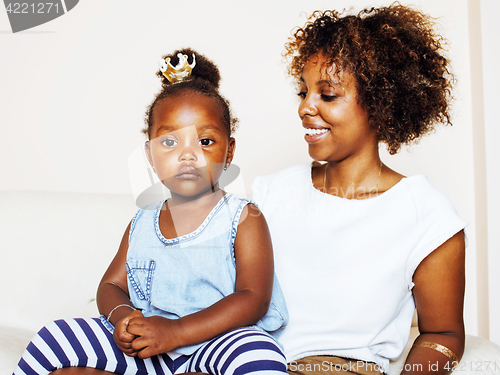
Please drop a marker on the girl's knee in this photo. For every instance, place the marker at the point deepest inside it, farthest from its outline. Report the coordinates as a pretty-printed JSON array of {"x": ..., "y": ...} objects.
[
  {"x": 240, "y": 351},
  {"x": 254, "y": 350}
]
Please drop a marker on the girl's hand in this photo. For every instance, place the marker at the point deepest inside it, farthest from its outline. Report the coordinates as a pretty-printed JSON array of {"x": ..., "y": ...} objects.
[
  {"x": 155, "y": 335},
  {"x": 122, "y": 337}
]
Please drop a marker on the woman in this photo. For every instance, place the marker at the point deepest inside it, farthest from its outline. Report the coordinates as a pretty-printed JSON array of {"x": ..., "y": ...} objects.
[{"x": 358, "y": 246}]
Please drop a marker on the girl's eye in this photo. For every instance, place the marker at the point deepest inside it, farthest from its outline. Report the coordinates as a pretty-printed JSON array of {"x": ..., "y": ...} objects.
[
  {"x": 302, "y": 95},
  {"x": 169, "y": 142},
  {"x": 206, "y": 142}
]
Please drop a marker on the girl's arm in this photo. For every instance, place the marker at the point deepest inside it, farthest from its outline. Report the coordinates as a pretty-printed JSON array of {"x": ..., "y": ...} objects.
[
  {"x": 244, "y": 307},
  {"x": 439, "y": 296},
  {"x": 113, "y": 298}
]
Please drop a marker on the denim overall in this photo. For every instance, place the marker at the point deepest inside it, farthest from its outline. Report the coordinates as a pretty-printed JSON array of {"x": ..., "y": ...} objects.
[{"x": 180, "y": 276}]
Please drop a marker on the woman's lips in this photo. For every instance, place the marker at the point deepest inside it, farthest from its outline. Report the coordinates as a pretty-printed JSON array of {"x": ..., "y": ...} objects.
[{"x": 315, "y": 134}]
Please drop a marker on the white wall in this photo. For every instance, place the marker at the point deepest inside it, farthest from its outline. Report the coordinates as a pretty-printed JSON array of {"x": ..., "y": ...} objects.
[
  {"x": 490, "y": 31},
  {"x": 74, "y": 91}
]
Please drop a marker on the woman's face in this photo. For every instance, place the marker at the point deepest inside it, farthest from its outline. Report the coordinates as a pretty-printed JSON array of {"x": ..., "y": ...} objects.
[
  {"x": 189, "y": 144},
  {"x": 336, "y": 125}
]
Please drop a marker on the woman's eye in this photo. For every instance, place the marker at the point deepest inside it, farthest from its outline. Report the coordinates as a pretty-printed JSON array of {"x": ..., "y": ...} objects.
[
  {"x": 169, "y": 142},
  {"x": 206, "y": 142},
  {"x": 302, "y": 95},
  {"x": 328, "y": 98}
]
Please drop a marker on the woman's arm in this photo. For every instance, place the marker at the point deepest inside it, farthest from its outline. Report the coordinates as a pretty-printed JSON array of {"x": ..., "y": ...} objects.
[
  {"x": 249, "y": 302},
  {"x": 439, "y": 296}
]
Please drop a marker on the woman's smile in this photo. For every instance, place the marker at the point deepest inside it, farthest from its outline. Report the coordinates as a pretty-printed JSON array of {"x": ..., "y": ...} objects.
[{"x": 313, "y": 134}]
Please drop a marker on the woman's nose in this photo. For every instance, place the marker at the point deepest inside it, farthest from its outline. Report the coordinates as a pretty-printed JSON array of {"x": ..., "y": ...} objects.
[{"x": 307, "y": 107}]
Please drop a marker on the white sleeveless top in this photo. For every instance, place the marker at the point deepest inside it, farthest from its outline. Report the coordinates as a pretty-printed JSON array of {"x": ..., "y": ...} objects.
[{"x": 346, "y": 266}]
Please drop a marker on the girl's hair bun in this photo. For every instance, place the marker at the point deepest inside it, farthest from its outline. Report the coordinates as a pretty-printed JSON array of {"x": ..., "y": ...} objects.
[
  {"x": 203, "y": 70},
  {"x": 204, "y": 80}
]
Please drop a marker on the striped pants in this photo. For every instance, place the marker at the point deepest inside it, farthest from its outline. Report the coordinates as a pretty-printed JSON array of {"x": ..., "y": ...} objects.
[{"x": 88, "y": 343}]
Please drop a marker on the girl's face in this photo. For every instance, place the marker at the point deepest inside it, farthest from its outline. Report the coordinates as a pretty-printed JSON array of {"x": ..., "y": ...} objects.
[
  {"x": 336, "y": 125},
  {"x": 189, "y": 144}
]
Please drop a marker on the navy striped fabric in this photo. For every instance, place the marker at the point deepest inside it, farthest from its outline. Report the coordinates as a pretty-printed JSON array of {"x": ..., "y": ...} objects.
[{"x": 88, "y": 343}]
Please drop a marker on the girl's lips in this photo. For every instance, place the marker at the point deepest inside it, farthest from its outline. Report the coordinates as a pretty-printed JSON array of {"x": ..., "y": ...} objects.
[
  {"x": 187, "y": 176},
  {"x": 187, "y": 173},
  {"x": 313, "y": 134}
]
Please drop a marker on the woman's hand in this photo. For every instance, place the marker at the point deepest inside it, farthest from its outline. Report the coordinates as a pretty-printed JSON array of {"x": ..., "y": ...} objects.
[
  {"x": 152, "y": 335},
  {"x": 122, "y": 337}
]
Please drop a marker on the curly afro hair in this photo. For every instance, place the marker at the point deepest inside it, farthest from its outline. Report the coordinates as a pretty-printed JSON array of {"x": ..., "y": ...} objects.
[
  {"x": 204, "y": 80},
  {"x": 403, "y": 78}
]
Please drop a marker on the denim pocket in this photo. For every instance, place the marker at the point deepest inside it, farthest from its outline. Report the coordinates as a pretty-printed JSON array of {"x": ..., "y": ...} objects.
[{"x": 140, "y": 274}]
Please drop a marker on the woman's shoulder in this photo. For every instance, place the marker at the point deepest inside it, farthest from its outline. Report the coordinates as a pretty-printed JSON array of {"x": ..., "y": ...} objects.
[
  {"x": 279, "y": 182},
  {"x": 420, "y": 188},
  {"x": 296, "y": 172},
  {"x": 282, "y": 183},
  {"x": 428, "y": 200}
]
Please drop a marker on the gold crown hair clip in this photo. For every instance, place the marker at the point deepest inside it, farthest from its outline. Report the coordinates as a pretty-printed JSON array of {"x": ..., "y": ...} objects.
[{"x": 178, "y": 73}]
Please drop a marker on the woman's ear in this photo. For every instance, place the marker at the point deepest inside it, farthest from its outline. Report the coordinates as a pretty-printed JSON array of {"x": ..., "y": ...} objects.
[
  {"x": 147, "y": 150},
  {"x": 230, "y": 150}
]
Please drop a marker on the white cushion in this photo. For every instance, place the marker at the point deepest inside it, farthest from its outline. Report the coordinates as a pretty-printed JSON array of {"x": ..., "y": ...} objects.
[
  {"x": 55, "y": 249},
  {"x": 13, "y": 341},
  {"x": 481, "y": 357}
]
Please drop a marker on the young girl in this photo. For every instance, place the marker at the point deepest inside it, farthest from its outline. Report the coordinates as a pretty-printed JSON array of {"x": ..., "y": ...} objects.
[
  {"x": 191, "y": 287},
  {"x": 369, "y": 244}
]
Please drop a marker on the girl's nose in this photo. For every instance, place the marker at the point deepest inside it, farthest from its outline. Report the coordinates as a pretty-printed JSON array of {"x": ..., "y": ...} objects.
[
  {"x": 307, "y": 108},
  {"x": 189, "y": 152},
  {"x": 188, "y": 155}
]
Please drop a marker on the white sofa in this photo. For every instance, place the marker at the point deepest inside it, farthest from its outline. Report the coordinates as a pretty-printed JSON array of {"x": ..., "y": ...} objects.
[{"x": 56, "y": 246}]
